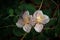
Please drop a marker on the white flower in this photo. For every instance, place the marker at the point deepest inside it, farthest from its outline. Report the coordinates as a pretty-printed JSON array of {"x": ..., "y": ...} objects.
[
  {"x": 40, "y": 19},
  {"x": 24, "y": 22}
]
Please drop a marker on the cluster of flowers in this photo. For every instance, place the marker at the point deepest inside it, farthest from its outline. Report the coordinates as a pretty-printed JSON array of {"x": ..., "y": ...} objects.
[{"x": 37, "y": 21}]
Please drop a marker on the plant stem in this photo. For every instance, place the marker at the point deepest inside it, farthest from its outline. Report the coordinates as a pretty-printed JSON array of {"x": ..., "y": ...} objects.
[
  {"x": 41, "y": 5},
  {"x": 8, "y": 26},
  {"x": 54, "y": 2},
  {"x": 23, "y": 36}
]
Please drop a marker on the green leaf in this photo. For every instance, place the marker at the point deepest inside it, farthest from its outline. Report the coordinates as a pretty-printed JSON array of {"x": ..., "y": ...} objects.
[
  {"x": 28, "y": 7},
  {"x": 18, "y": 31}
]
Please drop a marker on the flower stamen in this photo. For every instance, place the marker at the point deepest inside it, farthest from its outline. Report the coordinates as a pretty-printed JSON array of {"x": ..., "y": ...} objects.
[
  {"x": 26, "y": 20},
  {"x": 38, "y": 19}
]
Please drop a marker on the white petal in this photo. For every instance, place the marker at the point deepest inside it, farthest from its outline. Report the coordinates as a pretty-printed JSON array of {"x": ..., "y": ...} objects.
[
  {"x": 32, "y": 21},
  {"x": 27, "y": 28},
  {"x": 38, "y": 27},
  {"x": 19, "y": 23},
  {"x": 46, "y": 19},
  {"x": 37, "y": 13},
  {"x": 26, "y": 14}
]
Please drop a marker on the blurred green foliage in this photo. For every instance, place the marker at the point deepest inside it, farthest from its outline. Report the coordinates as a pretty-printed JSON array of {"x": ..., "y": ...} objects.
[
  {"x": 10, "y": 10},
  {"x": 37, "y": 1},
  {"x": 18, "y": 32}
]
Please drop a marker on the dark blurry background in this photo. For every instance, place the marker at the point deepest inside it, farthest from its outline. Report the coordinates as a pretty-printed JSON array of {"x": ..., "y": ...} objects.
[{"x": 9, "y": 14}]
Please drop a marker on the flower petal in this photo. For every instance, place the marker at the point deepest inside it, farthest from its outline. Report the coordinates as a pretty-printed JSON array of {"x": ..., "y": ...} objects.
[
  {"x": 38, "y": 27},
  {"x": 27, "y": 28},
  {"x": 26, "y": 14},
  {"x": 19, "y": 23},
  {"x": 32, "y": 20},
  {"x": 37, "y": 13},
  {"x": 46, "y": 19}
]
